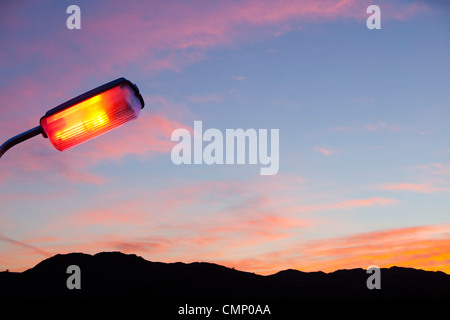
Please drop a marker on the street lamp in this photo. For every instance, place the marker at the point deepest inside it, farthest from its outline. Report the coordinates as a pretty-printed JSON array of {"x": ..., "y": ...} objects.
[{"x": 86, "y": 116}]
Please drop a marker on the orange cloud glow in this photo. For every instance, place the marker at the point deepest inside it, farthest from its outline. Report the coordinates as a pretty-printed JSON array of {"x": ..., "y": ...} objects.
[
  {"x": 422, "y": 247},
  {"x": 425, "y": 247}
]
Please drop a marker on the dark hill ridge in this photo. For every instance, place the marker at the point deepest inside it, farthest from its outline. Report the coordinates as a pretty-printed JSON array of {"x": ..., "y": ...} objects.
[{"x": 118, "y": 275}]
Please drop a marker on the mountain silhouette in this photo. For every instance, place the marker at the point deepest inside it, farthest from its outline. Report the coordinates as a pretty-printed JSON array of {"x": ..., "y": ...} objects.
[{"x": 126, "y": 276}]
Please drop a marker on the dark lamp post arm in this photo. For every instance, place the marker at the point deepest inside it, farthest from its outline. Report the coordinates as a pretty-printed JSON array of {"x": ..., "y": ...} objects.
[{"x": 19, "y": 138}]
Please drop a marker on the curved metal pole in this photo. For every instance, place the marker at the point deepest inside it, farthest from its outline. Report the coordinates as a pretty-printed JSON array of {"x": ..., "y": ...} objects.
[{"x": 19, "y": 138}]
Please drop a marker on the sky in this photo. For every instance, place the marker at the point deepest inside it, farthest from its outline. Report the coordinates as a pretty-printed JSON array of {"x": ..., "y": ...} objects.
[{"x": 362, "y": 114}]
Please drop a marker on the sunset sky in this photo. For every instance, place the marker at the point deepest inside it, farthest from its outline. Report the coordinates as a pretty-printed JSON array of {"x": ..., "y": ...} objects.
[{"x": 363, "y": 118}]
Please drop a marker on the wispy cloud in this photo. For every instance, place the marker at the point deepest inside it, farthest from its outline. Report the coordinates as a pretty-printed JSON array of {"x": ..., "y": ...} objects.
[
  {"x": 437, "y": 169},
  {"x": 424, "y": 247},
  {"x": 323, "y": 150},
  {"x": 25, "y": 245},
  {"x": 345, "y": 204},
  {"x": 189, "y": 221},
  {"x": 421, "y": 188},
  {"x": 381, "y": 126},
  {"x": 370, "y": 127},
  {"x": 238, "y": 78}
]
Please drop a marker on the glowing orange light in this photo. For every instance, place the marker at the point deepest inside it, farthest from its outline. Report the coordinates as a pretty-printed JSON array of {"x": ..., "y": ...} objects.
[{"x": 69, "y": 125}]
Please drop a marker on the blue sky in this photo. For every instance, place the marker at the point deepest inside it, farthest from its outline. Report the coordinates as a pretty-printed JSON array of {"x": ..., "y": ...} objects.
[{"x": 363, "y": 119}]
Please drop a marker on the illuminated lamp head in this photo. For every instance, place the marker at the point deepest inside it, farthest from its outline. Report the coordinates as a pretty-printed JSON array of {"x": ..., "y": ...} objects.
[{"x": 92, "y": 114}]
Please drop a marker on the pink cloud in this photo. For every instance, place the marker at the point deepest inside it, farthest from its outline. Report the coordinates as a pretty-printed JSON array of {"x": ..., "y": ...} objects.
[
  {"x": 238, "y": 78},
  {"x": 406, "y": 12},
  {"x": 170, "y": 35},
  {"x": 322, "y": 150},
  {"x": 363, "y": 203},
  {"x": 151, "y": 246},
  {"x": 255, "y": 214},
  {"x": 249, "y": 219},
  {"x": 433, "y": 179},
  {"x": 189, "y": 221},
  {"x": 107, "y": 217},
  {"x": 29, "y": 255},
  {"x": 421, "y": 188},
  {"x": 24, "y": 244},
  {"x": 439, "y": 169},
  {"x": 341, "y": 205}
]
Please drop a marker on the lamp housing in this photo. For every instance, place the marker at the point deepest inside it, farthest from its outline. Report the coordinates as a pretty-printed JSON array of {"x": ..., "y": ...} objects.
[{"x": 92, "y": 114}]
